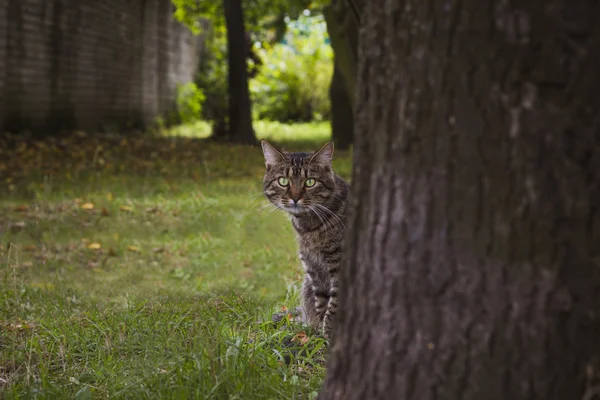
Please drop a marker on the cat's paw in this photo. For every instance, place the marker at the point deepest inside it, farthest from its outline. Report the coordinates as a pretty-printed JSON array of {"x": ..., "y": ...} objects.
[{"x": 326, "y": 331}]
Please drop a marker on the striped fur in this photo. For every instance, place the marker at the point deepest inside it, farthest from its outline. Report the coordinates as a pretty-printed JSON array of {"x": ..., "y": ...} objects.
[{"x": 318, "y": 216}]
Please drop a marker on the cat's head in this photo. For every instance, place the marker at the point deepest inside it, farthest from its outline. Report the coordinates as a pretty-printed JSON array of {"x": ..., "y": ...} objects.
[{"x": 298, "y": 182}]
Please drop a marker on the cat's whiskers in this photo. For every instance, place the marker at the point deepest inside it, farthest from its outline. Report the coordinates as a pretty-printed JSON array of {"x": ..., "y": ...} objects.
[
  {"x": 270, "y": 207},
  {"x": 319, "y": 216},
  {"x": 332, "y": 218},
  {"x": 332, "y": 214},
  {"x": 256, "y": 200},
  {"x": 329, "y": 226}
]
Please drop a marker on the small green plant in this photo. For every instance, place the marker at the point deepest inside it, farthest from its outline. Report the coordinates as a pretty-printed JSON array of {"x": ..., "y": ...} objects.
[{"x": 190, "y": 99}]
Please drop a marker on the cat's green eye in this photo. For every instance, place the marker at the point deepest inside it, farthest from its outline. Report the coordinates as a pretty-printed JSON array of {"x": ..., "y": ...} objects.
[
  {"x": 310, "y": 182},
  {"x": 283, "y": 181}
]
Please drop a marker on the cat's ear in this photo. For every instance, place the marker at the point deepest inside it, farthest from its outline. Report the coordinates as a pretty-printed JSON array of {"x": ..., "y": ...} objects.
[
  {"x": 324, "y": 155},
  {"x": 272, "y": 155}
]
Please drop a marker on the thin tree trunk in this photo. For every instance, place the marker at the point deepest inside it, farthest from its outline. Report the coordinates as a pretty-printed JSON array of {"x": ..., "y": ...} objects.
[
  {"x": 473, "y": 241},
  {"x": 240, "y": 115},
  {"x": 342, "y": 117}
]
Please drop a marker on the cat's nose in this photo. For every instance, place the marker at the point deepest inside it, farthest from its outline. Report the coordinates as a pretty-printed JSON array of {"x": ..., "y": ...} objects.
[{"x": 296, "y": 201}]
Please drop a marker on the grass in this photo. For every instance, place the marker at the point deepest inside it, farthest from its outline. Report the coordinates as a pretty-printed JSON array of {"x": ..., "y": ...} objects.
[{"x": 143, "y": 267}]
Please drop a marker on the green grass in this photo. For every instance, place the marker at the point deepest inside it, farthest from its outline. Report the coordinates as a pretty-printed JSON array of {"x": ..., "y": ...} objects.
[{"x": 142, "y": 267}]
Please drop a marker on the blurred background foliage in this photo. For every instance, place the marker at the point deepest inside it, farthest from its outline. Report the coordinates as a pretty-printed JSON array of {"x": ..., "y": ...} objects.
[
  {"x": 293, "y": 83},
  {"x": 291, "y": 60}
]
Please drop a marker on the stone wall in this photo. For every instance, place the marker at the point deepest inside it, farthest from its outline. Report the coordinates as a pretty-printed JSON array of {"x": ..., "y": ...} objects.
[{"x": 90, "y": 64}]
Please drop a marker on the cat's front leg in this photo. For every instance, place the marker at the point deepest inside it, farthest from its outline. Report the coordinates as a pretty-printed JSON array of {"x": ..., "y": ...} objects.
[{"x": 330, "y": 312}]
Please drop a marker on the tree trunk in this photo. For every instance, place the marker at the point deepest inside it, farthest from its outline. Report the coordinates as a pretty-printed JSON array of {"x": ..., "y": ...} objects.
[
  {"x": 473, "y": 242},
  {"x": 342, "y": 117},
  {"x": 342, "y": 28},
  {"x": 239, "y": 128}
]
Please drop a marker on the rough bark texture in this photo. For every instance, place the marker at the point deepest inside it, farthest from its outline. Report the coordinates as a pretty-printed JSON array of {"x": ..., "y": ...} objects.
[
  {"x": 473, "y": 242},
  {"x": 240, "y": 116},
  {"x": 91, "y": 64},
  {"x": 342, "y": 117}
]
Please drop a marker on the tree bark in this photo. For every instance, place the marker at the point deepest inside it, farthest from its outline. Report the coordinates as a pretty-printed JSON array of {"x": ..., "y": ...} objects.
[
  {"x": 473, "y": 239},
  {"x": 239, "y": 128},
  {"x": 342, "y": 116}
]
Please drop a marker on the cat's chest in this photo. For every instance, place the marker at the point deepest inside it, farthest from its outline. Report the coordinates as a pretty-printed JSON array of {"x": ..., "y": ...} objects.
[
  {"x": 310, "y": 259},
  {"x": 311, "y": 251}
]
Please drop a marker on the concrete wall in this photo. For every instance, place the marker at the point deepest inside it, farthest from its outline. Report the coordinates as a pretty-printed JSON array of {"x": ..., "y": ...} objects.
[{"x": 90, "y": 64}]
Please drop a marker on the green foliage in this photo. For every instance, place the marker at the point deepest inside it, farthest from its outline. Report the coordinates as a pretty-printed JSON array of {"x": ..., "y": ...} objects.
[
  {"x": 293, "y": 84},
  {"x": 212, "y": 76},
  {"x": 192, "y": 12},
  {"x": 259, "y": 15},
  {"x": 190, "y": 99},
  {"x": 142, "y": 267}
]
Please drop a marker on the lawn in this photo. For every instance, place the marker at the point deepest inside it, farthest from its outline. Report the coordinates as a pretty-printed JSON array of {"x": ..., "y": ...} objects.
[{"x": 148, "y": 266}]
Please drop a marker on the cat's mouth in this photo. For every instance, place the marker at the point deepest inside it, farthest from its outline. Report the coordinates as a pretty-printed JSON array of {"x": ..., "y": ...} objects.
[{"x": 296, "y": 209}]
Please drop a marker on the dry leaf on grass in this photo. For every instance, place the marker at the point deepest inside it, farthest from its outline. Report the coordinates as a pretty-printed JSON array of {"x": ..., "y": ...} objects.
[
  {"x": 22, "y": 208},
  {"x": 301, "y": 337}
]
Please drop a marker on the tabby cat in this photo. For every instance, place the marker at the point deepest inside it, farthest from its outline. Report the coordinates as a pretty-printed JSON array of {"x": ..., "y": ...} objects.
[{"x": 306, "y": 187}]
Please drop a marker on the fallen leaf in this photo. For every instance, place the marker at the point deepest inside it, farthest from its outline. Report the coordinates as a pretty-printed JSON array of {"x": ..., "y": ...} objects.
[
  {"x": 87, "y": 206},
  {"x": 94, "y": 246},
  {"x": 158, "y": 249},
  {"x": 29, "y": 247},
  {"x": 134, "y": 249},
  {"x": 126, "y": 208},
  {"x": 22, "y": 208},
  {"x": 301, "y": 337},
  {"x": 112, "y": 252},
  {"x": 284, "y": 309},
  {"x": 105, "y": 212}
]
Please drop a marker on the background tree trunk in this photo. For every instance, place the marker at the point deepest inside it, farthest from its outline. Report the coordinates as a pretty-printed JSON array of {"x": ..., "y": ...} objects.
[
  {"x": 239, "y": 127},
  {"x": 342, "y": 27},
  {"x": 342, "y": 117},
  {"x": 473, "y": 244}
]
